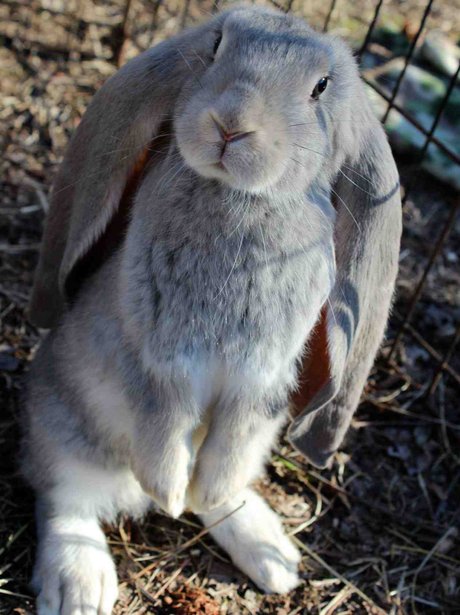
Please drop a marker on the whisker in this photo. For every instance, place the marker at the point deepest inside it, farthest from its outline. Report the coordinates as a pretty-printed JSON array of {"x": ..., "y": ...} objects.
[
  {"x": 187, "y": 63},
  {"x": 357, "y": 185},
  {"x": 347, "y": 208},
  {"x": 239, "y": 223},
  {"x": 170, "y": 175},
  {"x": 340, "y": 170},
  {"x": 133, "y": 149},
  {"x": 200, "y": 58},
  {"x": 234, "y": 263},
  {"x": 130, "y": 151},
  {"x": 87, "y": 176},
  {"x": 332, "y": 309},
  {"x": 263, "y": 243},
  {"x": 357, "y": 173},
  {"x": 309, "y": 149},
  {"x": 328, "y": 297},
  {"x": 315, "y": 122}
]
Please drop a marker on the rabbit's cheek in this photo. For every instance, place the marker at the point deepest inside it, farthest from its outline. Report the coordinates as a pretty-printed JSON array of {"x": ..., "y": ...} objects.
[
  {"x": 201, "y": 149},
  {"x": 254, "y": 163}
]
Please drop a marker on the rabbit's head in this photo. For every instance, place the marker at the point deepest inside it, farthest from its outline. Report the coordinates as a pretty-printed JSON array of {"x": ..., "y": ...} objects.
[
  {"x": 262, "y": 103},
  {"x": 261, "y": 113}
]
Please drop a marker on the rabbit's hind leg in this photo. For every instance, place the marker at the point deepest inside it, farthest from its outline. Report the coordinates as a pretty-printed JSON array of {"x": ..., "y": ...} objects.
[
  {"x": 74, "y": 572},
  {"x": 253, "y": 536}
]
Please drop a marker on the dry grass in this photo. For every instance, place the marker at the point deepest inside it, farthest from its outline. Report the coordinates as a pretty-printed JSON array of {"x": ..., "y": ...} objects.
[{"x": 379, "y": 530}]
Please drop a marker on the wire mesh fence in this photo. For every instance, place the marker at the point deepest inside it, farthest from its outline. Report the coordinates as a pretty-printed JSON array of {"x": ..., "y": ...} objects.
[{"x": 85, "y": 42}]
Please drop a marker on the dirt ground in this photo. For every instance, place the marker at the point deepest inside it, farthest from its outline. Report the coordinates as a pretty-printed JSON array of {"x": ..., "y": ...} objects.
[{"x": 379, "y": 530}]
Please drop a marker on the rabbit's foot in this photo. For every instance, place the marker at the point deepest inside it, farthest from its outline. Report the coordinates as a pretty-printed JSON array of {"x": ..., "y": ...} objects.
[
  {"x": 74, "y": 573},
  {"x": 253, "y": 536}
]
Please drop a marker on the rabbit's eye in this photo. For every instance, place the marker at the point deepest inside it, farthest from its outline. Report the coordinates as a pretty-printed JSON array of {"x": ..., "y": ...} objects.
[
  {"x": 216, "y": 44},
  {"x": 320, "y": 87}
]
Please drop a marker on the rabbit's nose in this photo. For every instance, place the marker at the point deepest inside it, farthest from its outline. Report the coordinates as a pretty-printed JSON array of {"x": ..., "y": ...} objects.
[{"x": 227, "y": 135}]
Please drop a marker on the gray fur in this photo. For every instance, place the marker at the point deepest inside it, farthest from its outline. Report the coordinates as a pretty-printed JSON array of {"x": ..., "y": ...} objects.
[{"x": 173, "y": 363}]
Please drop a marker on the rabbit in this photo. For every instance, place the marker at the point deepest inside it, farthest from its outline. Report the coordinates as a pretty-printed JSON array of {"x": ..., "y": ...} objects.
[{"x": 219, "y": 259}]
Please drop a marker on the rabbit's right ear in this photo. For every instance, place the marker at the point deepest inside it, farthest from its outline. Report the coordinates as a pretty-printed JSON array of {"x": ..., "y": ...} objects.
[
  {"x": 367, "y": 237},
  {"x": 108, "y": 148}
]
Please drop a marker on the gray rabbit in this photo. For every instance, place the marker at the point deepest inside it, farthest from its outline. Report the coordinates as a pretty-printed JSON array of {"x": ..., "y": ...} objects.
[{"x": 222, "y": 243}]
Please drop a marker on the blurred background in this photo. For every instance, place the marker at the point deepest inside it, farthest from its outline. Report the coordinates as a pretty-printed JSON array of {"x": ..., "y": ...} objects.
[{"x": 379, "y": 530}]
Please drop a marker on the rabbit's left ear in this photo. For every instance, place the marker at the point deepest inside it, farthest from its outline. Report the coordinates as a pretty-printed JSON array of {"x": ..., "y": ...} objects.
[{"x": 347, "y": 336}]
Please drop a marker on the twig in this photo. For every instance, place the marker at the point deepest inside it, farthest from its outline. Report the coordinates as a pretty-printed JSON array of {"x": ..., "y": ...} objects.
[
  {"x": 344, "y": 580},
  {"x": 336, "y": 601},
  {"x": 361, "y": 500},
  {"x": 424, "y": 562},
  {"x": 38, "y": 188},
  {"x": 18, "y": 249},
  {"x": 187, "y": 543}
]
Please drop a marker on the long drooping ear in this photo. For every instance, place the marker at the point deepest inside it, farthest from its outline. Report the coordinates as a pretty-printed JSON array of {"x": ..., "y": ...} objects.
[
  {"x": 346, "y": 339},
  {"x": 106, "y": 150}
]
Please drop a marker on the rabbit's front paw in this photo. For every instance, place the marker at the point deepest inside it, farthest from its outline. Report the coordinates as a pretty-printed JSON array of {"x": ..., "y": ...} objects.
[
  {"x": 168, "y": 492},
  {"x": 166, "y": 482},
  {"x": 215, "y": 482},
  {"x": 75, "y": 579}
]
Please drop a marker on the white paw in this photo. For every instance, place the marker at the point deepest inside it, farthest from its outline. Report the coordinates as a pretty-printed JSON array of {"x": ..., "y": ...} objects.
[
  {"x": 253, "y": 536},
  {"x": 271, "y": 565},
  {"x": 74, "y": 575}
]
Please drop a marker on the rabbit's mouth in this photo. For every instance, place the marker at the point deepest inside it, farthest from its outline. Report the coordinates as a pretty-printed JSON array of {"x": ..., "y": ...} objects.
[{"x": 234, "y": 150}]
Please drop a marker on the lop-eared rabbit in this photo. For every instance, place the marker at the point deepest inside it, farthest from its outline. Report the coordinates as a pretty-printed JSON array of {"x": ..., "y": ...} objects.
[{"x": 219, "y": 258}]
